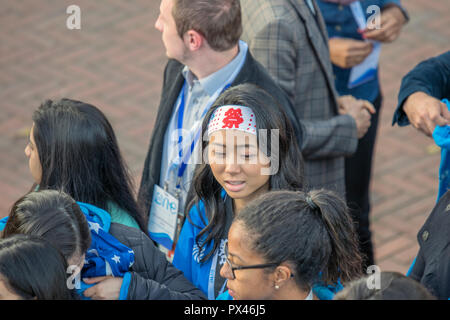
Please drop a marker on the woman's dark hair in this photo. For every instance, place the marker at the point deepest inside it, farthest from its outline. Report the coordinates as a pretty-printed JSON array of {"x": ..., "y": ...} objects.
[
  {"x": 311, "y": 231},
  {"x": 53, "y": 216},
  {"x": 33, "y": 269},
  {"x": 392, "y": 286},
  {"x": 289, "y": 176},
  {"x": 79, "y": 155}
]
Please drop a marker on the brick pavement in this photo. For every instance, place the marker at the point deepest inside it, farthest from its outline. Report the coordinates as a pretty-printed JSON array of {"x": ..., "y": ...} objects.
[{"x": 116, "y": 62}]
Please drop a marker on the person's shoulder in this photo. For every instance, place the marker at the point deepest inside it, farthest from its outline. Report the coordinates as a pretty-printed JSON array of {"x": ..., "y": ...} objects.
[
  {"x": 434, "y": 232},
  {"x": 173, "y": 66},
  {"x": 128, "y": 236},
  {"x": 197, "y": 216},
  {"x": 441, "y": 210},
  {"x": 259, "y": 18},
  {"x": 269, "y": 10},
  {"x": 261, "y": 77},
  {"x": 120, "y": 215}
]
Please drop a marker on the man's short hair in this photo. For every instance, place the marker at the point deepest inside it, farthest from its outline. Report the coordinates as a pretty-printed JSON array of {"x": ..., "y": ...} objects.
[{"x": 219, "y": 21}]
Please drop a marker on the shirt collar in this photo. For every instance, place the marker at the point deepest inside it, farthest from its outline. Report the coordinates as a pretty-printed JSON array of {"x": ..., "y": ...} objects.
[{"x": 216, "y": 80}]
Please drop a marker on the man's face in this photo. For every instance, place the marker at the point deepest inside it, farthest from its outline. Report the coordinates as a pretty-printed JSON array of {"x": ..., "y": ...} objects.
[{"x": 175, "y": 47}]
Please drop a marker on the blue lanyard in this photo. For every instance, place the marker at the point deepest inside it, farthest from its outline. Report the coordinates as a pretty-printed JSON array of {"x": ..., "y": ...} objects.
[
  {"x": 212, "y": 277},
  {"x": 183, "y": 164}
]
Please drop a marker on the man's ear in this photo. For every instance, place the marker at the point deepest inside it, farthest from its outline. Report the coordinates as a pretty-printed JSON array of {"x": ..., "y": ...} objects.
[{"x": 193, "y": 40}]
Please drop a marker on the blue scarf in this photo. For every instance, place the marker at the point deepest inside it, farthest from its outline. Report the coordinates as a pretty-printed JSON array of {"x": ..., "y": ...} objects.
[
  {"x": 441, "y": 136},
  {"x": 106, "y": 255}
]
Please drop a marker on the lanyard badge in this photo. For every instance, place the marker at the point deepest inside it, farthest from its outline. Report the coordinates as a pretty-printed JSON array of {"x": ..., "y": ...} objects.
[{"x": 163, "y": 217}]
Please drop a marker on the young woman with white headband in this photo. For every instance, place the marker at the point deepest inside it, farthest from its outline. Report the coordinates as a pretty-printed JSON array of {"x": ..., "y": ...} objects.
[{"x": 249, "y": 148}]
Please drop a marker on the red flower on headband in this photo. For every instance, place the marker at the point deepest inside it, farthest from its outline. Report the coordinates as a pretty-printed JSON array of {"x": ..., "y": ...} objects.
[{"x": 233, "y": 117}]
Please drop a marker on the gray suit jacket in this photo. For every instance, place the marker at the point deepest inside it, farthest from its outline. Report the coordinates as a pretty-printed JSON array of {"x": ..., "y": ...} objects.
[{"x": 285, "y": 37}]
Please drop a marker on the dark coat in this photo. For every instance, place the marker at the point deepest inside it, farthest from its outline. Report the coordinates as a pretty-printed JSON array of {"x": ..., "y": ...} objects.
[
  {"x": 432, "y": 265},
  {"x": 431, "y": 76},
  {"x": 251, "y": 72},
  {"x": 152, "y": 276}
]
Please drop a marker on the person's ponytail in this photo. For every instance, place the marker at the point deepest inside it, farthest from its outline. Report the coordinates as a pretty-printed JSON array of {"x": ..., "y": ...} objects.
[
  {"x": 311, "y": 231},
  {"x": 345, "y": 261}
]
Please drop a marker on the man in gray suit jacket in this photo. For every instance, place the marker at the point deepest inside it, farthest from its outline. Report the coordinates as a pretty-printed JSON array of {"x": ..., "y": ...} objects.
[{"x": 290, "y": 39}]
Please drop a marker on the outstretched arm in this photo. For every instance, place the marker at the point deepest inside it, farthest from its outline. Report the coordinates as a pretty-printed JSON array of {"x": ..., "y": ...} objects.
[{"x": 420, "y": 94}]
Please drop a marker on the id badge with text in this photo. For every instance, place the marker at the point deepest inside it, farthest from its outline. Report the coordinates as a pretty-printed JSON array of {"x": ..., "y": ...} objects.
[{"x": 162, "y": 223}]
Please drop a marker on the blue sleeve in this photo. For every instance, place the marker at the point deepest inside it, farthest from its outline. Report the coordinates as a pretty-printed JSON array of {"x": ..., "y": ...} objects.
[
  {"x": 431, "y": 76},
  {"x": 125, "y": 285},
  {"x": 182, "y": 258},
  {"x": 183, "y": 250}
]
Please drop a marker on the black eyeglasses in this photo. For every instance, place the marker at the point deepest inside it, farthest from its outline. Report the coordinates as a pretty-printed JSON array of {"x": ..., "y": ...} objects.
[{"x": 255, "y": 266}]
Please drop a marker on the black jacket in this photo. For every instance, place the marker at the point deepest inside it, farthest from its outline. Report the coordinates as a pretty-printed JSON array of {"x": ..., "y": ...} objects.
[
  {"x": 152, "y": 276},
  {"x": 431, "y": 76},
  {"x": 432, "y": 266},
  {"x": 251, "y": 72}
]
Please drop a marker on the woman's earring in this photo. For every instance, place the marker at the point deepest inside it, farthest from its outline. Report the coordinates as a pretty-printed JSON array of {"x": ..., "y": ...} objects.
[{"x": 277, "y": 287}]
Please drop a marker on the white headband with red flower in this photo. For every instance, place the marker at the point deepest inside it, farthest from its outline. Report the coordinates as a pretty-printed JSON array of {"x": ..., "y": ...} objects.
[{"x": 232, "y": 117}]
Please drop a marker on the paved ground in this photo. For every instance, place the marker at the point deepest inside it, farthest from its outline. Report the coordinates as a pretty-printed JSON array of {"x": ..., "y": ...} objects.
[{"x": 116, "y": 61}]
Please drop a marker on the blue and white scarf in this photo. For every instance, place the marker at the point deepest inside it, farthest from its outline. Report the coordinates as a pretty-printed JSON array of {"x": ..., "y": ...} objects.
[{"x": 106, "y": 255}]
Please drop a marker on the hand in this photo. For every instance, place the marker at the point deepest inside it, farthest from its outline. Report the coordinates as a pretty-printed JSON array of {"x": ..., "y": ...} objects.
[
  {"x": 108, "y": 288},
  {"x": 426, "y": 112},
  {"x": 359, "y": 110},
  {"x": 346, "y": 52},
  {"x": 344, "y": 103},
  {"x": 391, "y": 22}
]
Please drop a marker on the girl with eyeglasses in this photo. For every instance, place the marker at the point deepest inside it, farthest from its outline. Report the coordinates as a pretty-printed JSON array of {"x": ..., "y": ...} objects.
[
  {"x": 241, "y": 162},
  {"x": 286, "y": 242}
]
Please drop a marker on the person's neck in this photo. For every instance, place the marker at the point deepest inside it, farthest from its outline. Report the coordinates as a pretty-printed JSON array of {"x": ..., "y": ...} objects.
[
  {"x": 291, "y": 293},
  {"x": 239, "y": 204},
  {"x": 209, "y": 61}
]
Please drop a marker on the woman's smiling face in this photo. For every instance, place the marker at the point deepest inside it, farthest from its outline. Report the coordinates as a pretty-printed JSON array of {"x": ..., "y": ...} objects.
[{"x": 237, "y": 164}]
